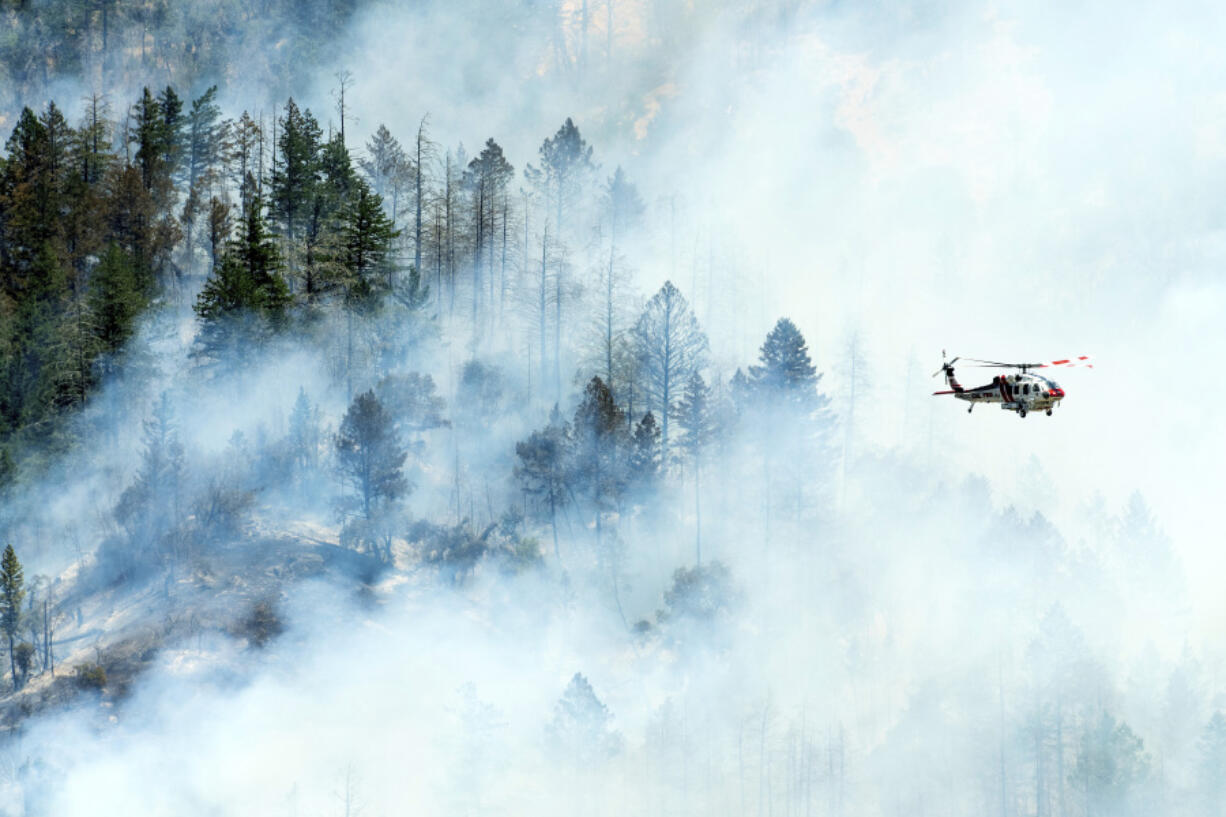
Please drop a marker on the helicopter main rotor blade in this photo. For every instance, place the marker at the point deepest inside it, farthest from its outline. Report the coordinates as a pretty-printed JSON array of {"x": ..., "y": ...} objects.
[
  {"x": 1068, "y": 363},
  {"x": 996, "y": 364},
  {"x": 1081, "y": 360}
]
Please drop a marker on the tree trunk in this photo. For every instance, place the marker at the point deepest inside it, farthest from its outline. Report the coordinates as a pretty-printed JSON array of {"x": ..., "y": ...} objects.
[
  {"x": 417, "y": 179},
  {"x": 698, "y": 511},
  {"x": 608, "y": 321},
  {"x": 557, "y": 334},
  {"x": 543, "y": 312},
  {"x": 553, "y": 521}
]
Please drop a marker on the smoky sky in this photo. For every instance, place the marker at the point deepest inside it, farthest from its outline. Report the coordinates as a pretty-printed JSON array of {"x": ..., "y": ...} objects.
[{"x": 1007, "y": 181}]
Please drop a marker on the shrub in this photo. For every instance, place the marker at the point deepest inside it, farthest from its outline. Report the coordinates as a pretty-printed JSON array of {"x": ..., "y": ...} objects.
[{"x": 90, "y": 676}]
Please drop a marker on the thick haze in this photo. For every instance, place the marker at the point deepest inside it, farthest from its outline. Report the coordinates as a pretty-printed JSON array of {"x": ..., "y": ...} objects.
[{"x": 1015, "y": 181}]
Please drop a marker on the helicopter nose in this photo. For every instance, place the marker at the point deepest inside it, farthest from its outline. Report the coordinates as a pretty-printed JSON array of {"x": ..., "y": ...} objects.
[{"x": 1057, "y": 393}]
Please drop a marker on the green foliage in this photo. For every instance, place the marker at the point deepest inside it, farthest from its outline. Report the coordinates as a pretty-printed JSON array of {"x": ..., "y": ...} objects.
[
  {"x": 566, "y": 163},
  {"x": 149, "y": 508},
  {"x": 670, "y": 346},
  {"x": 246, "y": 297},
  {"x": 84, "y": 237},
  {"x": 8, "y": 472},
  {"x": 600, "y": 453},
  {"x": 262, "y": 624},
  {"x": 541, "y": 470},
  {"x": 1211, "y": 766},
  {"x": 701, "y": 594},
  {"x": 12, "y": 591},
  {"x": 581, "y": 732},
  {"x": 366, "y": 266},
  {"x": 116, "y": 298},
  {"x": 785, "y": 372},
  {"x": 412, "y": 401},
  {"x": 89, "y": 676},
  {"x": 296, "y": 174},
  {"x": 23, "y": 659},
  {"x": 696, "y": 417},
  {"x": 1111, "y": 763},
  {"x": 370, "y": 455}
]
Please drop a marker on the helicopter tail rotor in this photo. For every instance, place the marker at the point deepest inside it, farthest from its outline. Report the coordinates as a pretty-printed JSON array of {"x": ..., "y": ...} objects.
[{"x": 947, "y": 366}]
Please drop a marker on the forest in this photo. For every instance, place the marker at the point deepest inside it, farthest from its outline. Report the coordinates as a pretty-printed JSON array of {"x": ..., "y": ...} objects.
[{"x": 349, "y": 470}]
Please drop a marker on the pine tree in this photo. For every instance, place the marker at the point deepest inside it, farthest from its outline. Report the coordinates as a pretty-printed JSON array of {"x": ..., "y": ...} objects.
[
  {"x": 623, "y": 210},
  {"x": 542, "y": 468},
  {"x": 367, "y": 256},
  {"x": 304, "y": 433},
  {"x": 670, "y": 346},
  {"x": 581, "y": 730},
  {"x": 785, "y": 374},
  {"x": 599, "y": 451},
  {"x": 370, "y": 455},
  {"x": 645, "y": 456},
  {"x": 424, "y": 152},
  {"x": 115, "y": 298},
  {"x": 1111, "y": 763},
  {"x": 12, "y": 591},
  {"x": 246, "y": 297},
  {"x": 384, "y": 157},
  {"x": 8, "y": 472},
  {"x": 150, "y": 507},
  {"x": 566, "y": 164},
  {"x": 1211, "y": 771},
  {"x": 486, "y": 179},
  {"x": 296, "y": 174},
  {"x": 696, "y": 418},
  {"x": 205, "y": 146}
]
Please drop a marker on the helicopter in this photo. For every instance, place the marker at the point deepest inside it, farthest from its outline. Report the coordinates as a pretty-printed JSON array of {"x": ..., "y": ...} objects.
[{"x": 1021, "y": 392}]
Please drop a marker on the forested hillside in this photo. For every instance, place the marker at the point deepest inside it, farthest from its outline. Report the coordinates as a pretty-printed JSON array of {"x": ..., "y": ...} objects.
[{"x": 356, "y": 463}]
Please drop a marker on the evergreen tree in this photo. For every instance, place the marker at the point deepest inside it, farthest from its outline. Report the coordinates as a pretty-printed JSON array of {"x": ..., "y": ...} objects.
[
  {"x": 542, "y": 468},
  {"x": 370, "y": 455},
  {"x": 115, "y": 298},
  {"x": 566, "y": 164},
  {"x": 785, "y": 371},
  {"x": 246, "y": 296},
  {"x": 581, "y": 729},
  {"x": 599, "y": 451},
  {"x": 304, "y": 433},
  {"x": 413, "y": 401},
  {"x": 701, "y": 594},
  {"x": 696, "y": 418},
  {"x": 1111, "y": 763},
  {"x": 670, "y": 347},
  {"x": 1211, "y": 770},
  {"x": 367, "y": 256},
  {"x": 623, "y": 210},
  {"x": 8, "y": 472},
  {"x": 205, "y": 148},
  {"x": 296, "y": 173},
  {"x": 486, "y": 179},
  {"x": 151, "y": 506},
  {"x": 12, "y": 591},
  {"x": 645, "y": 453},
  {"x": 384, "y": 158},
  {"x": 158, "y": 134}
]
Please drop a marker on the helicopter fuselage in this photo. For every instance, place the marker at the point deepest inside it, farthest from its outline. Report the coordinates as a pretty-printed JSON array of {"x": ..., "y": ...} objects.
[{"x": 1023, "y": 392}]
